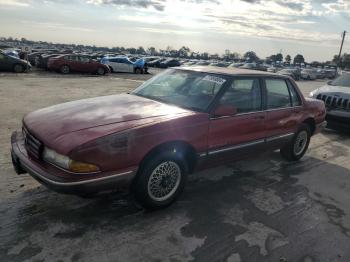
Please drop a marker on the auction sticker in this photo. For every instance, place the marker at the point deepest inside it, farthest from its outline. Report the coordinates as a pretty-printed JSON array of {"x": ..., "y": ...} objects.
[{"x": 214, "y": 79}]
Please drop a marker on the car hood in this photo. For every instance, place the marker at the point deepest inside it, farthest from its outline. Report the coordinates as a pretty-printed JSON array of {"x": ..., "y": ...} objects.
[
  {"x": 333, "y": 90},
  {"x": 119, "y": 112}
]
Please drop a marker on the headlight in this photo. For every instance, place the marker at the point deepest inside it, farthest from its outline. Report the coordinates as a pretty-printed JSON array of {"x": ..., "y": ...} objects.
[
  {"x": 65, "y": 162},
  {"x": 313, "y": 93}
]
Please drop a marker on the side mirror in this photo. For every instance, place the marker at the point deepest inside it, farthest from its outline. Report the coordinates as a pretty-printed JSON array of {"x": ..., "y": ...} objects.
[{"x": 225, "y": 110}]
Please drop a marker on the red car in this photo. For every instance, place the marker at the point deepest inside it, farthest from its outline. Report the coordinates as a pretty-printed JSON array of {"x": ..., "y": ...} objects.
[
  {"x": 177, "y": 122},
  {"x": 76, "y": 63}
]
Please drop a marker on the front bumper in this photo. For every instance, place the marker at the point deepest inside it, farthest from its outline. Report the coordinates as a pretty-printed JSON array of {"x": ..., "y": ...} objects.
[
  {"x": 338, "y": 118},
  {"x": 64, "y": 182}
]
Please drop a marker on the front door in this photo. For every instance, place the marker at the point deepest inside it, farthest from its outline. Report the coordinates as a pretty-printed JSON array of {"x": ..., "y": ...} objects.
[{"x": 233, "y": 136}]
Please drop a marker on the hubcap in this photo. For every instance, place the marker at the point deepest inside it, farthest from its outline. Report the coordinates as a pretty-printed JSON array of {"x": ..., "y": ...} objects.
[
  {"x": 300, "y": 142},
  {"x": 164, "y": 181},
  {"x": 18, "y": 68},
  {"x": 65, "y": 69}
]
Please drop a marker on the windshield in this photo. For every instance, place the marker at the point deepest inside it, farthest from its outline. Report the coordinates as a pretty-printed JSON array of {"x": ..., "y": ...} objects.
[
  {"x": 188, "y": 89},
  {"x": 343, "y": 80}
]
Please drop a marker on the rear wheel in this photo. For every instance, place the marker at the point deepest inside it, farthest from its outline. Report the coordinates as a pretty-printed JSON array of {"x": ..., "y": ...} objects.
[
  {"x": 101, "y": 71},
  {"x": 18, "y": 68},
  {"x": 138, "y": 71},
  {"x": 65, "y": 69},
  {"x": 296, "y": 148},
  {"x": 160, "y": 181}
]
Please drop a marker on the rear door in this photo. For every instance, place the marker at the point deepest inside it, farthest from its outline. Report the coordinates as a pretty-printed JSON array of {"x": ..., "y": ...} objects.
[
  {"x": 85, "y": 64},
  {"x": 244, "y": 132},
  {"x": 280, "y": 118},
  {"x": 128, "y": 66}
]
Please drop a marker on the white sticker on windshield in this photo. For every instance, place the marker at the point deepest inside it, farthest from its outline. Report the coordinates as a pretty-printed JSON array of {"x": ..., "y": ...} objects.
[{"x": 214, "y": 79}]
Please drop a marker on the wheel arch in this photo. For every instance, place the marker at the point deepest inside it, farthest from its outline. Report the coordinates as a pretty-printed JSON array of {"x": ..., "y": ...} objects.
[
  {"x": 182, "y": 149},
  {"x": 311, "y": 123},
  {"x": 18, "y": 64}
]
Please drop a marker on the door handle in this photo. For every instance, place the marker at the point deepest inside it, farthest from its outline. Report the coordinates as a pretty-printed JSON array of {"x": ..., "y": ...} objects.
[{"x": 259, "y": 117}]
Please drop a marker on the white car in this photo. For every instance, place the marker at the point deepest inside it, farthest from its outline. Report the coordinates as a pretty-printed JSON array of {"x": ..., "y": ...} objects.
[
  {"x": 125, "y": 65},
  {"x": 309, "y": 74}
]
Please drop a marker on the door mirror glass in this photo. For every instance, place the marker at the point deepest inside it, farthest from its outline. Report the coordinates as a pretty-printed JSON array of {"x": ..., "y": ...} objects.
[{"x": 225, "y": 110}]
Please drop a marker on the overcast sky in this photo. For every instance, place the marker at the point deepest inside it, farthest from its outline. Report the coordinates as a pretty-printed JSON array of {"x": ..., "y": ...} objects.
[{"x": 310, "y": 27}]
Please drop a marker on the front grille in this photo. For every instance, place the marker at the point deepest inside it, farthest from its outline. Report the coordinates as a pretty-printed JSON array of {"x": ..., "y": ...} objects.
[
  {"x": 33, "y": 145},
  {"x": 334, "y": 101}
]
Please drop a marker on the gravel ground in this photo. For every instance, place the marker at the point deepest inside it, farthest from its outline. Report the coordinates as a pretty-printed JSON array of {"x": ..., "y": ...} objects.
[{"x": 263, "y": 209}]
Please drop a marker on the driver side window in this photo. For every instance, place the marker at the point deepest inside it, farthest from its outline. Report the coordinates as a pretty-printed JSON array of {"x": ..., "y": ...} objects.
[{"x": 244, "y": 95}]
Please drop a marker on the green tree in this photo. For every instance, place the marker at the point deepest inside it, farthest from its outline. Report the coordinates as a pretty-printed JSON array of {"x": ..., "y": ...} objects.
[
  {"x": 184, "y": 51},
  {"x": 299, "y": 59},
  {"x": 288, "y": 59},
  {"x": 141, "y": 50},
  {"x": 279, "y": 57},
  {"x": 152, "y": 50},
  {"x": 251, "y": 56}
]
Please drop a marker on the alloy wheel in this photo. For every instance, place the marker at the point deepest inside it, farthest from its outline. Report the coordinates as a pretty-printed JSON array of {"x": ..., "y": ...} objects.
[{"x": 164, "y": 181}]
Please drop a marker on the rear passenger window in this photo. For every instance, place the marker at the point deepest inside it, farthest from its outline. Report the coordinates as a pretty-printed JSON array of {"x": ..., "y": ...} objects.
[
  {"x": 277, "y": 94},
  {"x": 243, "y": 94},
  {"x": 296, "y": 100}
]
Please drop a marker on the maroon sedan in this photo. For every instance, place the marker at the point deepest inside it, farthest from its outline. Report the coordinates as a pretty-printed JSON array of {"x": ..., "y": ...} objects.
[
  {"x": 175, "y": 123},
  {"x": 76, "y": 63}
]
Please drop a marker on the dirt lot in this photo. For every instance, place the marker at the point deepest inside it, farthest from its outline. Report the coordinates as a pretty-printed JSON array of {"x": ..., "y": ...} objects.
[{"x": 255, "y": 210}]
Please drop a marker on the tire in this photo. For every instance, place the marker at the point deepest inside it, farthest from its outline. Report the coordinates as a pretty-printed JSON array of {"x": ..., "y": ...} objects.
[
  {"x": 308, "y": 78},
  {"x": 138, "y": 71},
  {"x": 101, "y": 71},
  {"x": 297, "y": 147},
  {"x": 18, "y": 68},
  {"x": 65, "y": 69},
  {"x": 151, "y": 179},
  {"x": 111, "y": 69}
]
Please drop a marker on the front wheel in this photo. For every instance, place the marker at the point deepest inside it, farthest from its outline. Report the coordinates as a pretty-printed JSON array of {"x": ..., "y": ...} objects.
[
  {"x": 65, "y": 69},
  {"x": 160, "y": 181},
  {"x": 138, "y": 71},
  {"x": 296, "y": 148},
  {"x": 18, "y": 68}
]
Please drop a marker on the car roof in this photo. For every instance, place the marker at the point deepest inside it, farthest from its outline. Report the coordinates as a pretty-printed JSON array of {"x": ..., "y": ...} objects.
[{"x": 228, "y": 71}]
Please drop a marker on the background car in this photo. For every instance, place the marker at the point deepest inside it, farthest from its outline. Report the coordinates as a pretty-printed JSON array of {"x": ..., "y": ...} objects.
[
  {"x": 320, "y": 73},
  {"x": 42, "y": 60},
  {"x": 308, "y": 74},
  {"x": 76, "y": 63},
  {"x": 169, "y": 63},
  {"x": 12, "y": 63},
  {"x": 274, "y": 69},
  {"x": 336, "y": 96},
  {"x": 293, "y": 73},
  {"x": 125, "y": 65},
  {"x": 156, "y": 62}
]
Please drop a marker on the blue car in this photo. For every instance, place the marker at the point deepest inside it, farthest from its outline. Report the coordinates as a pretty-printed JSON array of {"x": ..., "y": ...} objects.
[{"x": 125, "y": 65}]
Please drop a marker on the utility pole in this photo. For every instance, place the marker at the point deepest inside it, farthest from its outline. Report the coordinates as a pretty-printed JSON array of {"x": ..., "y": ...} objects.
[{"x": 341, "y": 47}]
